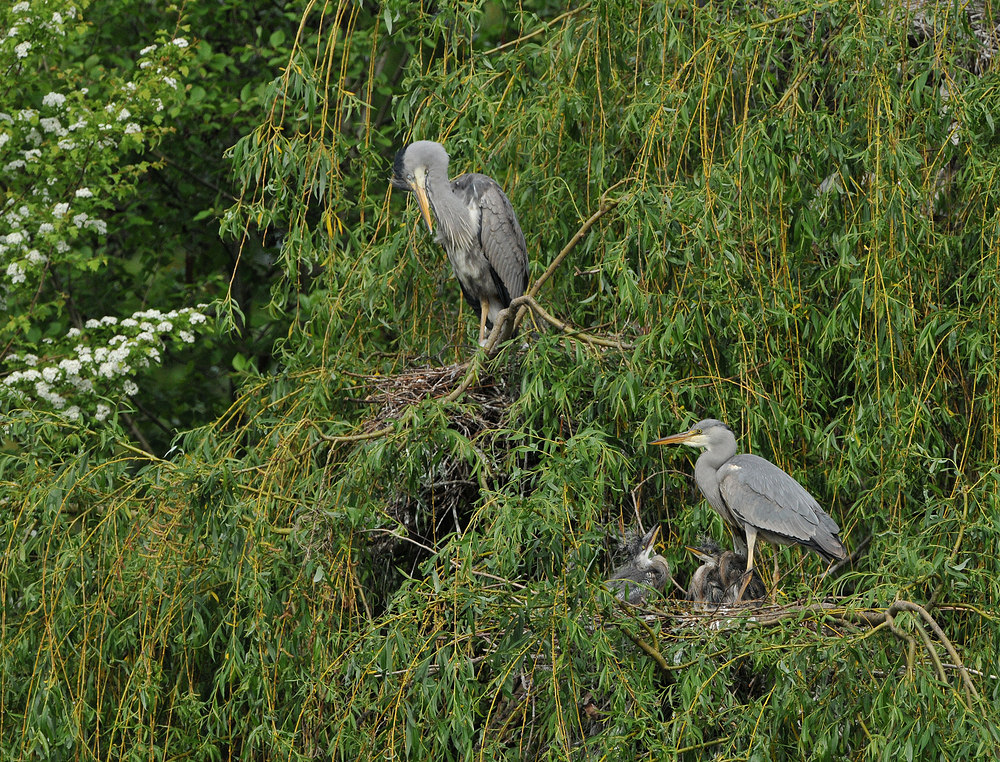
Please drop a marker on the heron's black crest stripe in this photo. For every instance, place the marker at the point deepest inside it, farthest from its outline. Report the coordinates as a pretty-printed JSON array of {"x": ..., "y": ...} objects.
[{"x": 399, "y": 171}]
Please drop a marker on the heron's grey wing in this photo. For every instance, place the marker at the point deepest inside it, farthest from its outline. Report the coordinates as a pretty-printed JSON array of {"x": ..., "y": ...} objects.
[
  {"x": 500, "y": 234},
  {"x": 761, "y": 494}
]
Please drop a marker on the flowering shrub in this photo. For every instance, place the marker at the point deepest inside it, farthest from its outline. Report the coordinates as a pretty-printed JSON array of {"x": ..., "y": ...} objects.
[
  {"x": 92, "y": 374},
  {"x": 69, "y": 137}
]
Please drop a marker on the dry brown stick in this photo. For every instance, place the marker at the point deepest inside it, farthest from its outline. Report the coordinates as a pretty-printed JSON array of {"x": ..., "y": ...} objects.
[
  {"x": 877, "y": 618},
  {"x": 952, "y": 651},
  {"x": 605, "y": 206},
  {"x": 355, "y": 437},
  {"x": 911, "y": 645},
  {"x": 572, "y": 333},
  {"x": 653, "y": 653}
]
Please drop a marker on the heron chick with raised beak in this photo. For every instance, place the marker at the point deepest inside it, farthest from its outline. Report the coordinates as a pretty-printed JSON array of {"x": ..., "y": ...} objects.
[
  {"x": 647, "y": 572},
  {"x": 721, "y": 578}
]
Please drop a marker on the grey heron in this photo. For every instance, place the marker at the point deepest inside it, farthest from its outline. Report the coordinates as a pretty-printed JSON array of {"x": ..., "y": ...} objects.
[
  {"x": 756, "y": 498},
  {"x": 634, "y": 582},
  {"x": 476, "y": 225},
  {"x": 721, "y": 578}
]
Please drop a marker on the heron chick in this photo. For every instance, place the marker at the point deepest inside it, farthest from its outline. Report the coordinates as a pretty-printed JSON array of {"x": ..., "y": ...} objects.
[
  {"x": 721, "y": 578},
  {"x": 756, "y": 498},
  {"x": 636, "y": 581},
  {"x": 476, "y": 225}
]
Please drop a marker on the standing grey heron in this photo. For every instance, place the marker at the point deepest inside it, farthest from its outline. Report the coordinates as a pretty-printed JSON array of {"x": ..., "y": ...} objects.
[
  {"x": 476, "y": 225},
  {"x": 721, "y": 578},
  {"x": 756, "y": 498},
  {"x": 634, "y": 582}
]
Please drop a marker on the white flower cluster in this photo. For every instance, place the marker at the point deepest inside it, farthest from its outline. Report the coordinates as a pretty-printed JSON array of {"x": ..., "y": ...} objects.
[
  {"x": 60, "y": 196},
  {"x": 87, "y": 375}
]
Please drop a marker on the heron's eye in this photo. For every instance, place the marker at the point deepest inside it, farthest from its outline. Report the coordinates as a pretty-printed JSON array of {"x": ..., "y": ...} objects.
[
  {"x": 409, "y": 176},
  {"x": 698, "y": 431}
]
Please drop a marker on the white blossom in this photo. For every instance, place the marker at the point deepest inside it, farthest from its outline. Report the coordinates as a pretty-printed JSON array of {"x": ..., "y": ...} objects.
[
  {"x": 148, "y": 49},
  {"x": 130, "y": 388},
  {"x": 60, "y": 209},
  {"x": 180, "y": 42},
  {"x": 132, "y": 128},
  {"x": 15, "y": 273},
  {"x": 4, "y": 137},
  {"x": 22, "y": 49},
  {"x": 54, "y": 99},
  {"x": 103, "y": 411},
  {"x": 83, "y": 193},
  {"x": 51, "y": 124}
]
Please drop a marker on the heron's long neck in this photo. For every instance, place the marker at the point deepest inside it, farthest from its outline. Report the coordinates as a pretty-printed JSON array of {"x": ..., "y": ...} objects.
[
  {"x": 453, "y": 217},
  {"x": 705, "y": 472}
]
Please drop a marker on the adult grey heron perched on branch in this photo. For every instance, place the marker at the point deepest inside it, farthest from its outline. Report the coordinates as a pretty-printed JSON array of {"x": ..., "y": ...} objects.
[
  {"x": 635, "y": 581},
  {"x": 756, "y": 498},
  {"x": 476, "y": 225},
  {"x": 721, "y": 578}
]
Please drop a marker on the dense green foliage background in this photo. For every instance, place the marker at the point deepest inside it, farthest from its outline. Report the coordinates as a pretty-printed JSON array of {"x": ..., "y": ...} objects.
[{"x": 800, "y": 238}]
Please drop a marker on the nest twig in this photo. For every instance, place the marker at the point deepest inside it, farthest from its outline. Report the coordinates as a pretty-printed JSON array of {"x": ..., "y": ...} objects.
[
  {"x": 392, "y": 395},
  {"x": 832, "y": 618}
]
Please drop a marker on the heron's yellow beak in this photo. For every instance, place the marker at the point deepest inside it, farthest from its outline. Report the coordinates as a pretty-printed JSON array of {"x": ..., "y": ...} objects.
[
  {"x": 674, "y": 438},
  {"x": 420, "y": 191},
  {"x": 701, "y": 556},
  {"x": 652, "y": 537}
]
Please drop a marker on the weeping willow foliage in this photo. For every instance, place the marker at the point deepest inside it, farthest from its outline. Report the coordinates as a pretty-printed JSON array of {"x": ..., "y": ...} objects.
[{"x": 801, "y": 239}]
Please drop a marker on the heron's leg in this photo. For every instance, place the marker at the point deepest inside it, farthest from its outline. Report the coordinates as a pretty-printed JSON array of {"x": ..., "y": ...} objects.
[
  {"x": 775, "y": 577},
  {"x": 748, "y": 575},
  {"x": 484, "y": 310},
  {"x": 751, "y": 541}
]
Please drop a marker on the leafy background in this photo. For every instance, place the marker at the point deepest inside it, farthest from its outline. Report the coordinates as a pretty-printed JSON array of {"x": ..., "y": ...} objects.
[{"x": 339, "y": 559}]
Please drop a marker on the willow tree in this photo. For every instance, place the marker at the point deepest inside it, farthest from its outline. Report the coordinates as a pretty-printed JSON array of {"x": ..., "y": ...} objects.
[{"x": 783, "y": 216}]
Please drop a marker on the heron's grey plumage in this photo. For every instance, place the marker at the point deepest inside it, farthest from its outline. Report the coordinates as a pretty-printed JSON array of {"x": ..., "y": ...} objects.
[
  {"x": 756, "y": 498},
  {"x": 647, "y": 572},
  {"x": 476, "y": 225},
  {"x": 720, "y": 578}
]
